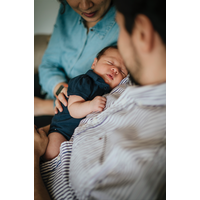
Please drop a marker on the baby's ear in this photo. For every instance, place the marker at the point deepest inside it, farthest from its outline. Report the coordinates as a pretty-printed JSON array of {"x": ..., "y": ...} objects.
[{"x": 94, "y": 63}]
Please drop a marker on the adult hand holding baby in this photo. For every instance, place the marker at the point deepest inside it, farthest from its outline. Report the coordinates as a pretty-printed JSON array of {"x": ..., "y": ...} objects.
[{"x": 61, "y": 98}]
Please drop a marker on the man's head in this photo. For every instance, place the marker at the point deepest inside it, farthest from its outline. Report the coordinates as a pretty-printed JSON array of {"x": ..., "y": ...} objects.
[
  {"x": 110, "y": 66},
  {"x": 142, "y": 39}
]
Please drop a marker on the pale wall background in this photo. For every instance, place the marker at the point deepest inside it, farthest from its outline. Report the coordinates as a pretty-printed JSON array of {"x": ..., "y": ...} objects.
[{"x": 45, "y": 13}]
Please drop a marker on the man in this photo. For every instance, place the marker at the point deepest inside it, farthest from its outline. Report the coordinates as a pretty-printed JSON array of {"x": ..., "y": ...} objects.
[{"x": 121, "y": 152}]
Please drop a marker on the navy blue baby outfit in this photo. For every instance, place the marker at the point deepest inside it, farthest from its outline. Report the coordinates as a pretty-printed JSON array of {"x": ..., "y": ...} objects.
[{"x": 88, "y": 86}]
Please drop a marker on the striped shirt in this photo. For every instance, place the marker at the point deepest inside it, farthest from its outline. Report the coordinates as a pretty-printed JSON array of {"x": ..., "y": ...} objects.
[{"x": 119, "y": 153}]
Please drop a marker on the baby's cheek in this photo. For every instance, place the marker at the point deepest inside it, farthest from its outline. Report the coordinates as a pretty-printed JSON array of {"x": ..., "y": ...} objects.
[
  {"x": 117, "y": 82},
  {"x": 121, "y": 78}
]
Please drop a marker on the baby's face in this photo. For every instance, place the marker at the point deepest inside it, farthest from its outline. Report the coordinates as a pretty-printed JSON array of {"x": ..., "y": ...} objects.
[{"x": 110, "y": 67}]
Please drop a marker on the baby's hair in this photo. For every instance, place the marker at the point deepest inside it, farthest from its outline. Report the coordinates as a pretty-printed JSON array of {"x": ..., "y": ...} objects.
[{"x": 103, "y": 51}]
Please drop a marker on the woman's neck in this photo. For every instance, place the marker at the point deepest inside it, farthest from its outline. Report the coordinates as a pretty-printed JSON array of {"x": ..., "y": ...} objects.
[{"x": 91, "y": 24}]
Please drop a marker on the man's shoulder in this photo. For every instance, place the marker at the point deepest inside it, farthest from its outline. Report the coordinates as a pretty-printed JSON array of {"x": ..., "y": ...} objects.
[{"x": 151, "y": 95}]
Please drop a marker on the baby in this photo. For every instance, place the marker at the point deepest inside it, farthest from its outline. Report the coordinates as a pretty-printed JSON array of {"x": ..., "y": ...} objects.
[{"x": 85, "y": 96}]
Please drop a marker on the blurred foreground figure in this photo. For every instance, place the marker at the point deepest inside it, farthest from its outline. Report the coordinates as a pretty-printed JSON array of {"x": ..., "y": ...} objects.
[{"x": 120, "y": 153}]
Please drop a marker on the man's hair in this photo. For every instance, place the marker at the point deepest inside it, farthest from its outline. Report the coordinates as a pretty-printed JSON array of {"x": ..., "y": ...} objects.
[
  {"x": 155, "y": 10},
  {"x": 103, "y": 51}
]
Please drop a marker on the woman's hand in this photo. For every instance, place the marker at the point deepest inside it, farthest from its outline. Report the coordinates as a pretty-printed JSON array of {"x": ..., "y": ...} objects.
[{"x": 61, "y": 98}]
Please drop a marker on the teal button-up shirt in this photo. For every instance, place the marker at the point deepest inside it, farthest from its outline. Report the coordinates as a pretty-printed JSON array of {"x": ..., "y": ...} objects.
[{"x": 71, "y": 50}]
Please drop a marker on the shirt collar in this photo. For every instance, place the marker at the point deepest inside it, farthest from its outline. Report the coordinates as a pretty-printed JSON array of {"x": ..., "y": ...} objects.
[
  {"x": 151, "y": 95},
  {"x": 103, "y": 26},
  {"x": 97, "y": 78},
  {"x": 80, "y": 20}
]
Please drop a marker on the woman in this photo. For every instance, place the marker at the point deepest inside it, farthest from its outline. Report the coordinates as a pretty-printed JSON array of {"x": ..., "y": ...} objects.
[{"x": 82, "y": 29}]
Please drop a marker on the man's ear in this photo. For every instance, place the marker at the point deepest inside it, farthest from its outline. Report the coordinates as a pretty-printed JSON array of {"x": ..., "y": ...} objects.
[
  {"x": 94, "y": 63},
  {"x": 144, "y": 32}
]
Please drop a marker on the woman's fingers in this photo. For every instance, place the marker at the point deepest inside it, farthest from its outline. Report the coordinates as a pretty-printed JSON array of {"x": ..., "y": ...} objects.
[
  {"x": 64, "y": 91},
  {"x": 58, "y": 105},
  {"x": 62, "y": 99},
  {"x": 56, "y": 110}
]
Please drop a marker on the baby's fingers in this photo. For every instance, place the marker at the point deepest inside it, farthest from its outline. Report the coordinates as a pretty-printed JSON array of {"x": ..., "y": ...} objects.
[
  {"x": 101, "y": 106},
  {"x": 103, "y": 99}
]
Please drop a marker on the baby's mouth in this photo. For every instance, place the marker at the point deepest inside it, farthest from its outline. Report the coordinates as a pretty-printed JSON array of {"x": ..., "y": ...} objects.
[{"x": 110, "y": 76}]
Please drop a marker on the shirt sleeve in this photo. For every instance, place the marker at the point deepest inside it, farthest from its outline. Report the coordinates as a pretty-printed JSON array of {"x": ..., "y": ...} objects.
[{"x": 81, "y": 86}]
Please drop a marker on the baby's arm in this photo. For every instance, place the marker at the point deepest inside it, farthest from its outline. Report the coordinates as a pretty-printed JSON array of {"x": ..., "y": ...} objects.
[{"x": 79, "y": 108}]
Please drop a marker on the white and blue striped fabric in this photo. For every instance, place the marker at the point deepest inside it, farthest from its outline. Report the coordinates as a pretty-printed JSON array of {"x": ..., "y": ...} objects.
[{"x": 117, "y": 154}]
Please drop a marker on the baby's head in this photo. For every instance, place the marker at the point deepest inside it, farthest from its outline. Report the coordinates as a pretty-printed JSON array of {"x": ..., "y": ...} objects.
[{"x": 109, "y": 65}]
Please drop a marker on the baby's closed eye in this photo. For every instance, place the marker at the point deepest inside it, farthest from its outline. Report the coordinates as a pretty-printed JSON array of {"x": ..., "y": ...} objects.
[{"x": 110, "y": 63}]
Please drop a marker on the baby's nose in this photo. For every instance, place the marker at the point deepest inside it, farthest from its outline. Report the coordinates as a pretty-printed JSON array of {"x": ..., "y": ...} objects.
[{"x": 115, "y": 69}]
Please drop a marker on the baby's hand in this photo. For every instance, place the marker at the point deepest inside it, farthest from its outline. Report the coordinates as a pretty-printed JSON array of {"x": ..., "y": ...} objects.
[{"x": 98, "y": 103}]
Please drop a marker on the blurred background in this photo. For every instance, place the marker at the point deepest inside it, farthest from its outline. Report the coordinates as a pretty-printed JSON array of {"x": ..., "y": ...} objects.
[{"x": 45, "y": 12}]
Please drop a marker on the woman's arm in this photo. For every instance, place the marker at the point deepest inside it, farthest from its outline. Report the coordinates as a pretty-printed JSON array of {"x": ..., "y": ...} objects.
[
  {"x": 79, "y": 108},
  {"x": 51, "y": 73}
]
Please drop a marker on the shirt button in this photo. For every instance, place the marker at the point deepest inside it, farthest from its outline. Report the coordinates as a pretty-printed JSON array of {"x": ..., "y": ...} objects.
[
  {"x": 91, "y": 29},
  {"x": 100, "y": 138}
]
